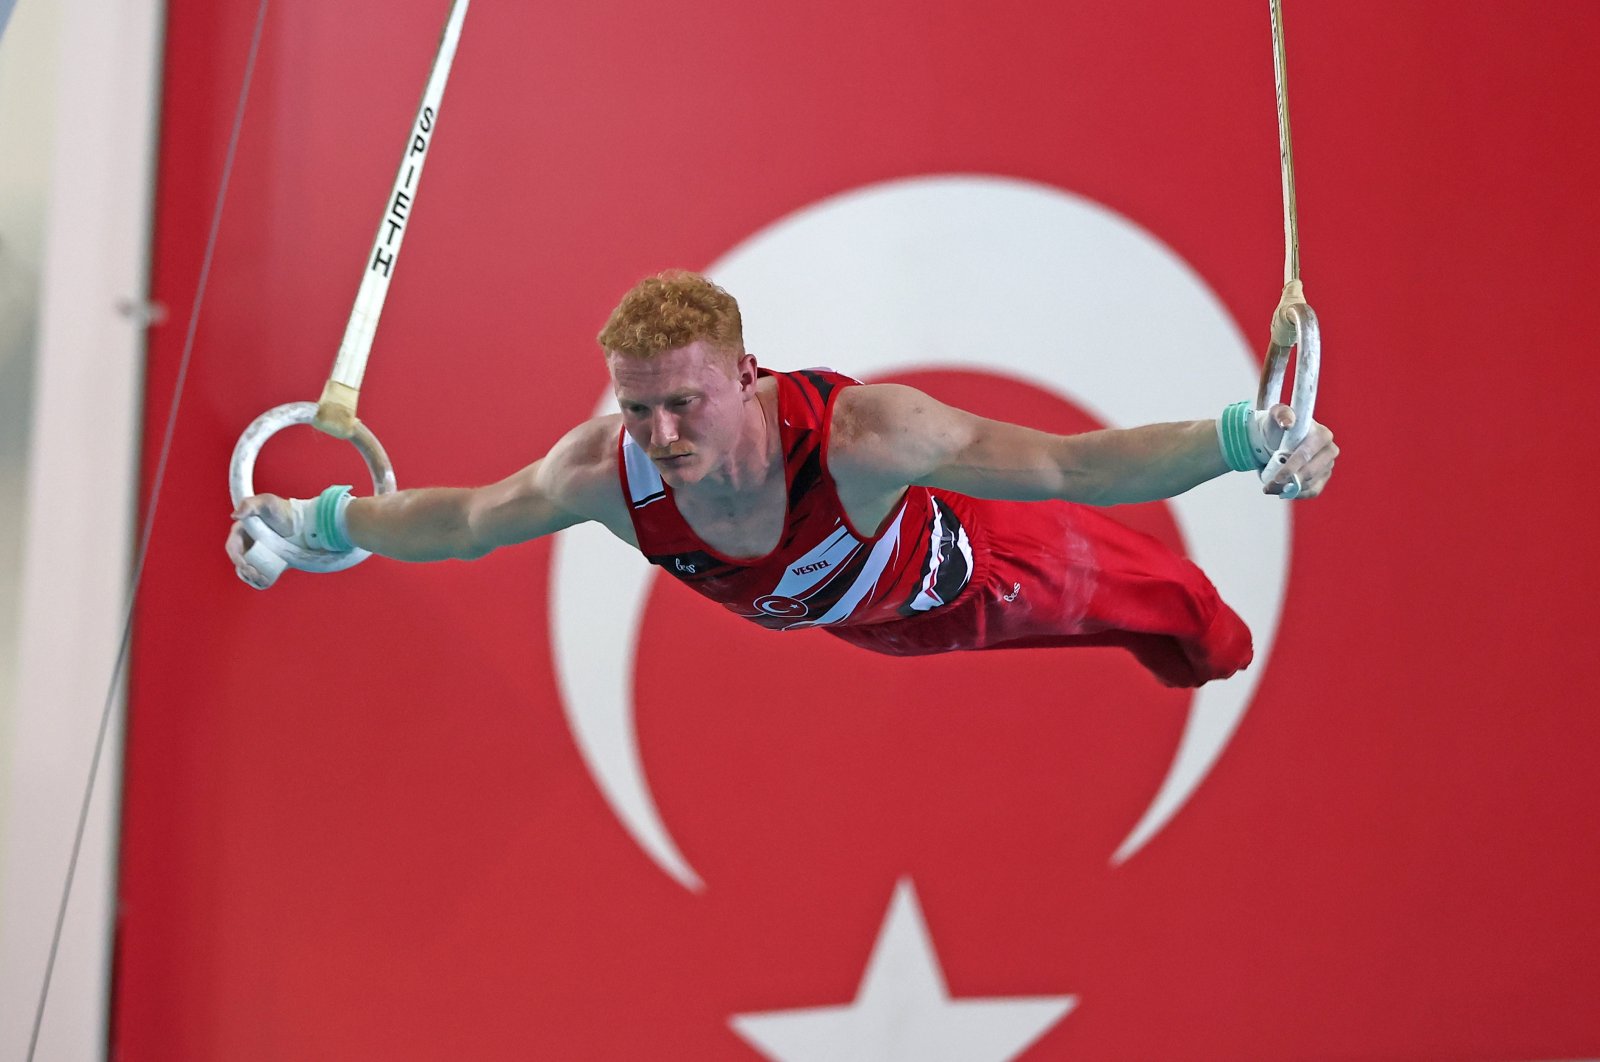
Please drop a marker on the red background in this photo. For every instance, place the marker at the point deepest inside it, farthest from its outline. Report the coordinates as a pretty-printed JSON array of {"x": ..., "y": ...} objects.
[{"x": 356, "y": 824}]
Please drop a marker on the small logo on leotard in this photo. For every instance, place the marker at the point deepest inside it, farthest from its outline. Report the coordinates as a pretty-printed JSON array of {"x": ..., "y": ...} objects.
[
  {"x": 776, "y": 605},
  {"x": 1016, "y": 588}
]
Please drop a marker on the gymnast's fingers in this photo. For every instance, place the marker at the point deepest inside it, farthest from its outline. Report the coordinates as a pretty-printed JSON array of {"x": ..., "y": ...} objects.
[
  {"x": 1320, "y": 469},
  {"x": 252, "y": 561},
  {"x": 238, "y": 546},
  {"x": 273, "y": 511},
  {"x": 1312, "y": 462},
  {"x": 238, "y": 542}
]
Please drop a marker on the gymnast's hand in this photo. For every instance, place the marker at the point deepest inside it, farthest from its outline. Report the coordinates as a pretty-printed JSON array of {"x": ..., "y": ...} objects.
[
  {"x": 1312, "y": 460},
  {"x": 277, "y": 514}
]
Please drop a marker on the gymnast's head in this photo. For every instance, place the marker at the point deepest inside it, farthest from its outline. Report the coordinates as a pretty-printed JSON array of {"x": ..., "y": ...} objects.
[{"x": 675, "y": 350}]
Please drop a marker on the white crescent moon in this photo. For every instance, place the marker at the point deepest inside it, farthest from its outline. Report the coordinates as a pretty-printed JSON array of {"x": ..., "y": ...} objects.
[{"x": 985, "y": 274}]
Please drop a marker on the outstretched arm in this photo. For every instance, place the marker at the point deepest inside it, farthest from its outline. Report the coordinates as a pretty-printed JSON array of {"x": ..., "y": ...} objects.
[
  {"x": 574, "y": 482},
  {"x": 458, "y": 523},
  {"x": 896, "y": 434}
]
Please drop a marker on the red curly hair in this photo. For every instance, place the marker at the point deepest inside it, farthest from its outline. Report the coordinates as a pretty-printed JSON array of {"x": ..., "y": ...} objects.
[{"x": 670, "y": 310}]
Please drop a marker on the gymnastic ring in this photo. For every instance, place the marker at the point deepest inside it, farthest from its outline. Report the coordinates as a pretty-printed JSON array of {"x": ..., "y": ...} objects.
[
  {"x": 1299, "y": 317},
  {"x": 241, "y": 484}
]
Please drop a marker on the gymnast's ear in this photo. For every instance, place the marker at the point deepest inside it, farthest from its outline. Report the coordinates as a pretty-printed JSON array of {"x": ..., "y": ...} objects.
[{"x": 744, "y": 370}]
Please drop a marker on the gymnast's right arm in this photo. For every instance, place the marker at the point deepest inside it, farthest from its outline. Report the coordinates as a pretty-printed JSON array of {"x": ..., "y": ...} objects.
[{"x": 575, "y": 481}]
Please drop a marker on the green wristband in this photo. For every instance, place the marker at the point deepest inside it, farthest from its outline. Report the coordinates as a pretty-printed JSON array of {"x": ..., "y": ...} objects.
[
  {"x": 328, "y": 517},
  {"x": 1234, "y": 433}
]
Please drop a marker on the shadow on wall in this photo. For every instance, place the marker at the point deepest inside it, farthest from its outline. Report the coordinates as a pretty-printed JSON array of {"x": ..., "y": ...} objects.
[
  {"x": 27, "y": 92},
  {"x": 5, "y": 14},
  {"x": 18, "y": 332}
]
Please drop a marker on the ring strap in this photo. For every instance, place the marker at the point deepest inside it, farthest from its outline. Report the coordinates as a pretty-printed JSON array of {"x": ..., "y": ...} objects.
[{"x": 336, "y": 410}]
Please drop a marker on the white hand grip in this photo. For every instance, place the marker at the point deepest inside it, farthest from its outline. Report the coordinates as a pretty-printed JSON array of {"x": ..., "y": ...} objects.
[{"x": 262, "y": 559}]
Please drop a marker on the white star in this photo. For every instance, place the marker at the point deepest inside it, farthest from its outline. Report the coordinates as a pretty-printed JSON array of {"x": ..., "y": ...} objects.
[{"x": 902, "y": 1011}]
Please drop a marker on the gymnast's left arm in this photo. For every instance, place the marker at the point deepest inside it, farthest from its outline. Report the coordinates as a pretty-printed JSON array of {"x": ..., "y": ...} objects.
[{"x": 897, "y": 434}]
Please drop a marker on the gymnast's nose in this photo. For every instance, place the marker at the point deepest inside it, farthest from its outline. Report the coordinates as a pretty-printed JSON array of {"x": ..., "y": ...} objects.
[{"x": 663, "y": 429}]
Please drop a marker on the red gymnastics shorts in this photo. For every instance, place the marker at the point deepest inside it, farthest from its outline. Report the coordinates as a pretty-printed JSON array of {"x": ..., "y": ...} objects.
[{"x": 1056, "y": 574}]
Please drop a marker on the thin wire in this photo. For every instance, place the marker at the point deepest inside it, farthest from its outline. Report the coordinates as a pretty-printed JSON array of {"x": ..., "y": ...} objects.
[{"x": 150, "y": 517}]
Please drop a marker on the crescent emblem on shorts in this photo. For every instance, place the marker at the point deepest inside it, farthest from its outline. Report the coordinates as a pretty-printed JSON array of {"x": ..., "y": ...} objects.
[{"x": 1079, "y": 302}]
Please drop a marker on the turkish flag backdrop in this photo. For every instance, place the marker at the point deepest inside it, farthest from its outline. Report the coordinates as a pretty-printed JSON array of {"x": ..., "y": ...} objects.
[{"x": 357, "y": 824}]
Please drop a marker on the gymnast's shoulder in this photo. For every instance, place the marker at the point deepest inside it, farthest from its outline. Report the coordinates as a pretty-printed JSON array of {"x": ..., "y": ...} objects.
[{"x": 574, "y": 482}]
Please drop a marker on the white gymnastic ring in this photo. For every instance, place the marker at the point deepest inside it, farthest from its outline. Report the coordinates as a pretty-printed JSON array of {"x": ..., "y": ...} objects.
[
  {"x": 241, "y": 484},
  {"x": 1303, "y": 396}
]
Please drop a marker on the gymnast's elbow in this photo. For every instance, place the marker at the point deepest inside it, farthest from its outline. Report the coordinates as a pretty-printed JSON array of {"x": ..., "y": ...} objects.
[
  {"x": 473, "y": 549},
  {"x": 505, "y": 514},
  {"x": 483, "y": 525}
]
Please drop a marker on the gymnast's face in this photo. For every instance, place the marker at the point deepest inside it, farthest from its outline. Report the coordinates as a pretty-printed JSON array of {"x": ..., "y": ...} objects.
[{"x": 685, "y": 407}]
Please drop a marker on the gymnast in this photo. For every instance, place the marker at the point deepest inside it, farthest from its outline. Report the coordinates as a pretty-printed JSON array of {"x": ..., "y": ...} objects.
[{"x": 872, "y": 511}]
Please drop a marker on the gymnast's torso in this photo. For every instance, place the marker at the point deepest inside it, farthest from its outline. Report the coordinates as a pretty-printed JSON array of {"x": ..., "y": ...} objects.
[{"x": 823, "y": 572}]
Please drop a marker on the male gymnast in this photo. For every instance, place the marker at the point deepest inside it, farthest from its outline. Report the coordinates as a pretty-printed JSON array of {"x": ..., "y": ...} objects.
[{"x": 806, "y": 499}]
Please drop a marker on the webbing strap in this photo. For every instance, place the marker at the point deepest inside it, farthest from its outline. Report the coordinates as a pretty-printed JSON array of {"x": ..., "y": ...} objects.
[{"x": 336, "y": 410}]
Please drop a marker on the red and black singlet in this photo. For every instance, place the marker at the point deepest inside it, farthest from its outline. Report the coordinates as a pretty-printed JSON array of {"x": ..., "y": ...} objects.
[{"x": 823, "y": 572}]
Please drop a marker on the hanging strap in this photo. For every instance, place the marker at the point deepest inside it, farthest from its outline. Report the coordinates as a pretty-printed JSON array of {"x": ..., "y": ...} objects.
[{"x": 336, "y": 410}]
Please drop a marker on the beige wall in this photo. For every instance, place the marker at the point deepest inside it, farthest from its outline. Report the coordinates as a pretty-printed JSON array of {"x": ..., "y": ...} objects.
[
  {"x": 27, "y": 110},
  {"x": 77, "y": 101}
]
